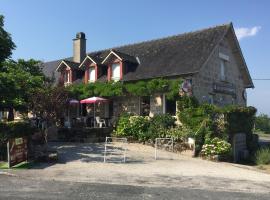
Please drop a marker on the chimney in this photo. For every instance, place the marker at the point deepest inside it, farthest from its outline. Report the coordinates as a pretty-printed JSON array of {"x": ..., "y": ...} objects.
[{"x": 79, "y": 47}]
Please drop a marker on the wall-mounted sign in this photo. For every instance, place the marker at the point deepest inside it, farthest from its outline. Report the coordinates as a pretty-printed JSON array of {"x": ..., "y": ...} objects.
[
  {"x": 225, "y": 88},
  {"x": 186, "y": 88},
  {"x": 17, "y": 151}
]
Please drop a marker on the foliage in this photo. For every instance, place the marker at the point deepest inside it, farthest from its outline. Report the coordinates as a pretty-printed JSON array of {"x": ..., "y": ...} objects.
[
  {"x": 18, "y": 81},
  {"x": 140, "y": 88},
  {"x": 159, "y": 124},
  {"x": 178, "y": 133},
  {"x": 262, "y": 156},
  {"x": 262, "y": 123},
  {"x": 239, "y": 119},
  {"x": 208, "y": 121},
  {"x": 6, "y": 44},
  {"x": 134, "y": 126},
  {"x": 216, "y": 146},
  {"x": 49, "y": 103},
  {"x": 145, "y": 128}
]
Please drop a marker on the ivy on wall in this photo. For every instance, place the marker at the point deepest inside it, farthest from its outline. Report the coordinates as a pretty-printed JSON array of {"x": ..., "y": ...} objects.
[{"x": 139, "y": 88}]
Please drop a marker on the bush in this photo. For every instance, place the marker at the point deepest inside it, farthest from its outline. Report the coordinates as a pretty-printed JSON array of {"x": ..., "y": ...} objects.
[
  {"x": 216, "y": 146},
  {"x": 144, "y": 128},
  {"x": 178, "y": 133},
  {"x": 134, "y": 126},
  {"x": 159, "y": 124},
  {"x": 262, "y": 156}
]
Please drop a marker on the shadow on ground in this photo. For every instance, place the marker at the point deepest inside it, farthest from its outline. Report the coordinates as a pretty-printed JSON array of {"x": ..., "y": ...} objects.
[{"x": 87, "y": 153}]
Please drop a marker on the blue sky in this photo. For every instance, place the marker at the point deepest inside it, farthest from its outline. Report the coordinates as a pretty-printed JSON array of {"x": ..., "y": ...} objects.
[{"x": 44, "y": 29}]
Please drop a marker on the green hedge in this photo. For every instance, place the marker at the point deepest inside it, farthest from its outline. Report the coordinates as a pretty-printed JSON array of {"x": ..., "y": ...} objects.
[{"x": 209, "y": 121}]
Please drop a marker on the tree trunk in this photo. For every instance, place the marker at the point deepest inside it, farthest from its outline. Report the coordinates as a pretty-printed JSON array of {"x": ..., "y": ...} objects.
[{"x": 10, "y": 114}]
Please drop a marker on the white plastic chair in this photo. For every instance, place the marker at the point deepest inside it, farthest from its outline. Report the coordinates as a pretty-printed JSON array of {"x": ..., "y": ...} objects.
[{"x": 100, "y": 122}]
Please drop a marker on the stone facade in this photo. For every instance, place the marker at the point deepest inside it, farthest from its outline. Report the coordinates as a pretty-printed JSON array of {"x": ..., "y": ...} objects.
[
  {"x": 208, "y": 86},
  {"x": 129, "y": 104},
  {"x": 210, "y": 74}
]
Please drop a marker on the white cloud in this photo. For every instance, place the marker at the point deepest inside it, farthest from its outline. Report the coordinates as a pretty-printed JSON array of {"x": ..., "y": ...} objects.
[{"x": 246, "y": 32}]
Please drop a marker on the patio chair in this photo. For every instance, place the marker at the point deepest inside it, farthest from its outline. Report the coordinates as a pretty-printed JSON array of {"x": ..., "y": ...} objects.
[{"x": 100, "y": 122}]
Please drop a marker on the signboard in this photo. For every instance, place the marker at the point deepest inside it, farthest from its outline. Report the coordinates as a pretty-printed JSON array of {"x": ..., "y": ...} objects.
[
  {"x": 186, "y": 88},
  {"x": 17, "y": 151},
  {"x": 226, "y": 88}
]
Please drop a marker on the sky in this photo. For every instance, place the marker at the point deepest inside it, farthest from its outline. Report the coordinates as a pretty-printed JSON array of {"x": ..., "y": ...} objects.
[{"x": 44, "y": 30}]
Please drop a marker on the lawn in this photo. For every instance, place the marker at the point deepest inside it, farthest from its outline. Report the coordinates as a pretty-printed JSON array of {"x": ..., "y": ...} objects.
[{"x": 23, "y": 165}]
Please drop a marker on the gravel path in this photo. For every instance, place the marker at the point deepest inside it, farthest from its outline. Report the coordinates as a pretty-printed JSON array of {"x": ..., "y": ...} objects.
[{"x": 84, "y": 163}]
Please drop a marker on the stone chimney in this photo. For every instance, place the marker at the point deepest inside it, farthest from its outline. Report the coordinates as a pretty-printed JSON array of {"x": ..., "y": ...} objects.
[{"x": 79, "y": 47}]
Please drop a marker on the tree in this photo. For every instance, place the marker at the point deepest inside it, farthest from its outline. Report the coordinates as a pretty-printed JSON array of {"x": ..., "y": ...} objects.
[
  {"x": 18, "y": 81},
  {"x": 6, "y": 43},
  {"x": 262, "y": 123},
  {"x": 49, "y": 102}
]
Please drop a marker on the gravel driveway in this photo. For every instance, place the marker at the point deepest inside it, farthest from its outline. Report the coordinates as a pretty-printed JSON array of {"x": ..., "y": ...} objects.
[{"x": 84, "y": 163}]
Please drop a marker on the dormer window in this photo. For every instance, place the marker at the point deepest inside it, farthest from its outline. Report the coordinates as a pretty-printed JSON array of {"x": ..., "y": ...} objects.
[
  {"x": 116, "y": 72},
  {"x": 67, "y": 78},
  {"x": 92, "y": 74}
]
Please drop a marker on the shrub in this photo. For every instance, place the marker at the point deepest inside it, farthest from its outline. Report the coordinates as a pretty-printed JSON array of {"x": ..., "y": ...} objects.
[
  {"x": 178, "y": 133},
  {"x": 159, "y": 124},
  {"x": 144, "y": 128},
  {"x": 216, "y": 146},
  {"x": 135, "y": 126},
  {"x": 262, "y": 156},
  {"x": 239, "y": 119}
]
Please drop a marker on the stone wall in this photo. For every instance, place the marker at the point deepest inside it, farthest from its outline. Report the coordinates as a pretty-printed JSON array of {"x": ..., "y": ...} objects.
[
  {"x": 126, "y": 104},
  {"x": 210, "y": 73},
  {"x": 131, "y": 104}
]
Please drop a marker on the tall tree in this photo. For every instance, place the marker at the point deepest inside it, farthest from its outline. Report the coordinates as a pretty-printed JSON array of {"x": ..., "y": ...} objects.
[
  {"x": 6, "y": 43},
  {"x": 50, "y": 102},
  {"x": 18, "y": 81}
]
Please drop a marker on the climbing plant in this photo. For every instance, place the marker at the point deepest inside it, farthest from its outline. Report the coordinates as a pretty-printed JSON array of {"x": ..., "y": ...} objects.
[{"x": 139, "y": 88}]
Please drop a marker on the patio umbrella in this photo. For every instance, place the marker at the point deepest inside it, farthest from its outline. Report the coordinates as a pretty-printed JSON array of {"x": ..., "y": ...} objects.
[
  {"x": 94, "y": 100},
  {"x": 73, "y": 101}
]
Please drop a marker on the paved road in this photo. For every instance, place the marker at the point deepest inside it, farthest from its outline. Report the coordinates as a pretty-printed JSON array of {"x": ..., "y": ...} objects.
[{"x": 15, "y": 188}]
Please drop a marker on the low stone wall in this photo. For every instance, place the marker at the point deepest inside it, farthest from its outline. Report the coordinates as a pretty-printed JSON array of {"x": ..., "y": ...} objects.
[{"x": 83, "y": 134}]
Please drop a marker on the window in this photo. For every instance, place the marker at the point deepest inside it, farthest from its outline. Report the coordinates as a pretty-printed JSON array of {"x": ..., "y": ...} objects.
[
  {"x": 171, "y": 107},
  {"x": 67, "y": 76},
  {"x": 92, "y": 74},
  {"x": 211, "y": 99},
  {"x": 116, "y": 71},
  {"x": 222, "y": 69},
  {"x": 145, "y": 106}
]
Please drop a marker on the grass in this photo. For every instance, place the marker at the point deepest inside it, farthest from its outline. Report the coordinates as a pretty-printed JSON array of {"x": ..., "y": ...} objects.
[
  {"x": 265, "y": 167},
  {"x": 23, "y": 165},
  {"x": 262, "y": 156}
]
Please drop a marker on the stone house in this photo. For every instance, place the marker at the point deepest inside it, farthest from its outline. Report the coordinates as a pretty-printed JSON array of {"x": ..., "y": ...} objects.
[{"x": 210, "y": 60}]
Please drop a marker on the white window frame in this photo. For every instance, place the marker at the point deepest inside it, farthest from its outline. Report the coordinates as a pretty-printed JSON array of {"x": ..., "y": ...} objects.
[
  {"x": 222, "y": 70},
  {"x": 113, "y": 77},
  {"x": 93, "y": 77},
  {"x": 67, "y": 77}
]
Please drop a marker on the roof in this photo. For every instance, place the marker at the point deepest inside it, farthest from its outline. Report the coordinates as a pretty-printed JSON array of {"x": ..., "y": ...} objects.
[{"x": 171, "y": 56}]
